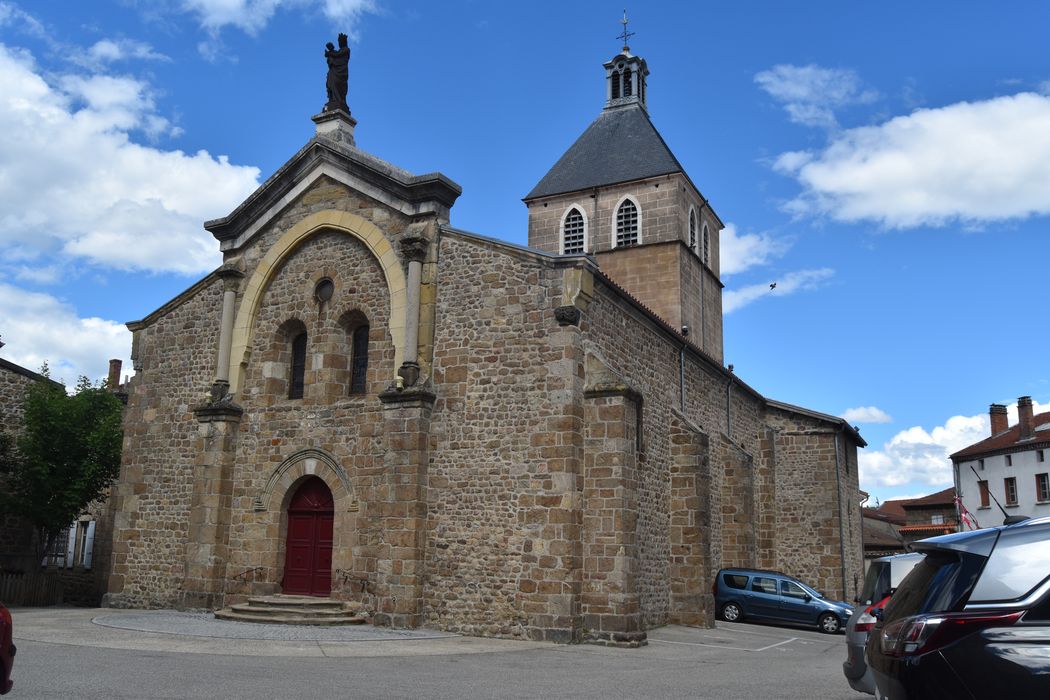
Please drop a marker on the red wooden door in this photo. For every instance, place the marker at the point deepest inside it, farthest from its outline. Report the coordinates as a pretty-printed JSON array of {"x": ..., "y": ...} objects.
[{"x": 308, "y": 550}]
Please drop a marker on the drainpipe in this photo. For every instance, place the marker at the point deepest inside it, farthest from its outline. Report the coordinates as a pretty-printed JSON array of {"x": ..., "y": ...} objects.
[
  {"x": 838, "y": 493},
  {"x": 729, "y": 404},
  {"x": 681, "y": 368}
]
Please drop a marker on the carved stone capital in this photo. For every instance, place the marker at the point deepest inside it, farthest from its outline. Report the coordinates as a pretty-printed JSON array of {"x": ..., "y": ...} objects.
[
  {"x": 231, "y": 277},
  {"x": 409, "y": 372},
  {"x": 567, "y": 315},
  {"x": 414, "y": 247}
]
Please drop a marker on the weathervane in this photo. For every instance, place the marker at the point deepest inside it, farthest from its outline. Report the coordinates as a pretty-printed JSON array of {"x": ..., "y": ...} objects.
[{"x": 626, "y": 34}]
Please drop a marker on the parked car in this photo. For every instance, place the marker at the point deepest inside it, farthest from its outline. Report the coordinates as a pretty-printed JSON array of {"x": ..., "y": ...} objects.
[
  {"x": 7, "y": 650},
  {"x": 758, "y": 594},
  {"x": 972, "y": 619},
  {"x": 883, "y": 577}
]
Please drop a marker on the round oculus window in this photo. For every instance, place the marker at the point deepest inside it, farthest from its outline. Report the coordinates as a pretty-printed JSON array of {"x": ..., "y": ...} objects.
[{"x": 324, "y": 290}]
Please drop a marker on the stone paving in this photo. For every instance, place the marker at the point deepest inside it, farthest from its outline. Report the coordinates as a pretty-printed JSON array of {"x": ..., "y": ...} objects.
[{"x": 203, "y": 624}]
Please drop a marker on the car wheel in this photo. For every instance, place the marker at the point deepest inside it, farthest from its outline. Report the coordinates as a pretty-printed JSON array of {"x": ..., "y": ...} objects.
[
  {"x": 830, "y": 623},
  {"x": 731, "y": 612}
]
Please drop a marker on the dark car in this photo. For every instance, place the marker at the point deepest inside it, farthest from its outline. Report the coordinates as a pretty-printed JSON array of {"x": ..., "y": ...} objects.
[
  {"x": 972, "y": 619},
  {"x": 7, "y": 651},
  {"x": 883, "y": 577},
  {"x": 758, "y": 594}
]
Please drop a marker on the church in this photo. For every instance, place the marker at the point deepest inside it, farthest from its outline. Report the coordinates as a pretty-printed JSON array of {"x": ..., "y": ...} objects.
[{"x": 368, "y": 404}]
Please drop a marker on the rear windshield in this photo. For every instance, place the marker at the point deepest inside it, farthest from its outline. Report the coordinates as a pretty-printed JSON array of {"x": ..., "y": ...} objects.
[
  {"x": 941, "y": 582},
  {"x": 735, "y": 580},
  {"x": 876, "y": 583}
]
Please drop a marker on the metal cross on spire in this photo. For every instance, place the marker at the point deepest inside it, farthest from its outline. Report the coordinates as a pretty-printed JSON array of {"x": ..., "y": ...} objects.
[{"x": 626, "y": 34}]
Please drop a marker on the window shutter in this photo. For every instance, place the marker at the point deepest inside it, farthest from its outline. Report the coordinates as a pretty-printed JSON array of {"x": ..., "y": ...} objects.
[{"x": 89, "y": 545}]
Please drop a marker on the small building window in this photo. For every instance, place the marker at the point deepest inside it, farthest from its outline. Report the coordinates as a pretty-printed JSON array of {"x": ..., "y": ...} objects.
[
  {"x": 297, "y": 378},
  {"x": 627, "y": 224},
  {"x": 359, "y": 361},
  {"x": 1010, "y": 487},
  {"x": 982, "y": 486},
  {"x": 937, "y": 520},
  {"x": 692, "y": 230},
  {"x": 74, "y": 547},
  {"x": 573, "y": 232},
  {"x": 1042, "y": 487},
  {"x": 707, "y": 247},
  {"x": 1009, "y": 460},
  {"x": 1040, "y": 456},
  {"x": 980, "y": 464}
]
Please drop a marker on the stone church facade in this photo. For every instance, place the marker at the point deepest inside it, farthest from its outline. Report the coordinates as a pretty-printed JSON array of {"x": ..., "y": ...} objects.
[{"x": 367, "y": 403}]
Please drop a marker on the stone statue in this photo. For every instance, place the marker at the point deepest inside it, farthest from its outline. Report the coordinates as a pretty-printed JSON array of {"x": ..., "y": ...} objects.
[{"x": 338, "y": 72}]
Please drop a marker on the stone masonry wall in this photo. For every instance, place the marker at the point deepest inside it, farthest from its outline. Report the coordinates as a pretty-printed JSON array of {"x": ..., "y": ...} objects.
[
  {"x": 500, "y": 546},
  {"x": 16, "y": 536},
  {"x": 175, "y": 364}
]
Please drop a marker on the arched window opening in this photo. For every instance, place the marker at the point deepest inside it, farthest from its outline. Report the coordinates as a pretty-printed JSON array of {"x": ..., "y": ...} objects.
[
  {"x": 692, "y": 230},
  {"x": 359, "y": 361},
  {"x": 573, "y": 232},
  {"x": 707, "y": 247},
  {"x": 627, "y": 224},
  {"x": 616, "y": 85},
  {"x": 627, "y": 92},
  {"x": 297, "y": 378}
]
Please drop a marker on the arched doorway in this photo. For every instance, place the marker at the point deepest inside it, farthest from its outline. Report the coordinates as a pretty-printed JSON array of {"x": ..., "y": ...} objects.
[{"x": 308, "y": 549}]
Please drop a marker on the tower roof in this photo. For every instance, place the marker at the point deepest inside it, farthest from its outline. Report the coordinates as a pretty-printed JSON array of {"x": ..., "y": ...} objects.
[{"x": 619, "y": 146}]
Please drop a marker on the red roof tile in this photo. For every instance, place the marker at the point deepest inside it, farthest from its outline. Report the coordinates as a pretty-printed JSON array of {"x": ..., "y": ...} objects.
[
  {"x": 1005, "y": 439},
  {"x": 941, "y": 498}
]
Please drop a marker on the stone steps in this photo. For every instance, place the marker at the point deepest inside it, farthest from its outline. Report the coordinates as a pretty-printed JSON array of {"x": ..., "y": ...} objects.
[{"x": 295, "y": 610}]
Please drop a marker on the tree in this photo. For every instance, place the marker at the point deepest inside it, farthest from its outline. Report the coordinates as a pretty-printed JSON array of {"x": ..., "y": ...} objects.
[{"x": 66, "y": 456}]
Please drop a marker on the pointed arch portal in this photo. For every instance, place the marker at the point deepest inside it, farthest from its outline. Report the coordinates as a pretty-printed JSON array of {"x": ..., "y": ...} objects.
[{"x": 308, "y": 553}]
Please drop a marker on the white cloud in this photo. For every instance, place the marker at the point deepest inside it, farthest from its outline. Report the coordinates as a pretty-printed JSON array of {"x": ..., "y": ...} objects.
[
  {"x": 13, "y": 16},
  {"x": 799, "y": 281},
  {"x": 811, "y": 94},
  {"x": 105, "y": 51},
  {"x": 740, "y": 251},
  {"x": 251, "y": 16},
  {"x": 39, "y": 328},
  {"x": 866, "y": 414},
  {"x": 969, "y": 162},
  {"x": 72, "y": 180},
  {"x": 917, "y": 455}
]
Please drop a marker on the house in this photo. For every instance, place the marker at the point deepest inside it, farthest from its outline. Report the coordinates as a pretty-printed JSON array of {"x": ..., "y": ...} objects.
[
  {"x": 1007, "y": 472},
  {"x": 367, "y": 403}
]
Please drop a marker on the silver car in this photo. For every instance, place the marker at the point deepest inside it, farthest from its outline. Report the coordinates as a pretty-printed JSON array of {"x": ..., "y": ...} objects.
[{"x": 883, "y": 577}]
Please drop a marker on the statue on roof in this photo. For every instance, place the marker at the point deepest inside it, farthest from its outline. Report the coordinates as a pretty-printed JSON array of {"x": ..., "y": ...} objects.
[{"x": 338, "y": 72}]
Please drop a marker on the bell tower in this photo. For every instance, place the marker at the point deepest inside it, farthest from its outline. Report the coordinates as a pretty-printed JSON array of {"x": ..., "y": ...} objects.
[{"x": 620, "y": 195}]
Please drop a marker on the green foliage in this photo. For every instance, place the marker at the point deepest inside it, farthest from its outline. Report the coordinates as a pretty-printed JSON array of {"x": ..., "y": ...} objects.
[{"x": 66, "y": 456}]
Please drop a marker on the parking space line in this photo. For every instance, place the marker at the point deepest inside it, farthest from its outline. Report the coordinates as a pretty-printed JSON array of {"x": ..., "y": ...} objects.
[{"x": 722, "y": 646}]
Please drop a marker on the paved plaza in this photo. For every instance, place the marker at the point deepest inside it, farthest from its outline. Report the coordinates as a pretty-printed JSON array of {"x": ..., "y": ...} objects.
[{"x": 163, "y": 654}]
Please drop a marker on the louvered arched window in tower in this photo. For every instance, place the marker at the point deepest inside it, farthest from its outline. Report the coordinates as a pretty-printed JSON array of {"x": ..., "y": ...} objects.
[
  {"x": 707, "y": 247},
  {"x": 573, "y": 232},
  {"x": 627, "y": 224},
  {"x": 692, "y": 230}
]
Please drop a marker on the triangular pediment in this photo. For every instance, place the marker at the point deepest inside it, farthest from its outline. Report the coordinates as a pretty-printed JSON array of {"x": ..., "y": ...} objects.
[{"x": 413, "y": 195}]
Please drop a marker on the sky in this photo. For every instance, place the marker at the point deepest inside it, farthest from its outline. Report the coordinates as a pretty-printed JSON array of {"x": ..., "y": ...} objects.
[{"x": 886, "y": 164}]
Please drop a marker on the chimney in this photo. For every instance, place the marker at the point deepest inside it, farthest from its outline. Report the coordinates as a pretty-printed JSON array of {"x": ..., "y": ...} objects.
[
  {"x": 1024, "y": 416},
  {"x": 997, "y": 412},
  {"x": 114, "y": 375}
]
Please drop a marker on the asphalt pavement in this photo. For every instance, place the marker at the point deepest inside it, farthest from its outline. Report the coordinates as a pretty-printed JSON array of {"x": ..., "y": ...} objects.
[{"x": 82, "y": 653}]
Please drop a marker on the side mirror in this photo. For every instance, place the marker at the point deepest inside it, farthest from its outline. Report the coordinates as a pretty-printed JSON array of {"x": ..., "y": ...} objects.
[{"x": 807, "y": 597}]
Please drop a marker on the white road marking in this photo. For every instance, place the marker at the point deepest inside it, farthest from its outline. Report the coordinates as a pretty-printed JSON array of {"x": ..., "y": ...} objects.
[{"x": 722, "y": 646}]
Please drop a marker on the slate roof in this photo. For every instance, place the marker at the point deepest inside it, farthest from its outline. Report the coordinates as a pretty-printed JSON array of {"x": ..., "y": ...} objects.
[
  {"x": 1008, "y": 438},
  {"x": 619, "y": 146}
]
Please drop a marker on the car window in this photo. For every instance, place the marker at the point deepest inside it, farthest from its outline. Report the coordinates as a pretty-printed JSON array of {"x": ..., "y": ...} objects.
[
  {"x": 764, "y": 585},
  {"x": 876, "y": 583},
  {"x": 939, "y": 583},
  {"x": 735, "y": 580},
  {"x": 792, "y": 590}
]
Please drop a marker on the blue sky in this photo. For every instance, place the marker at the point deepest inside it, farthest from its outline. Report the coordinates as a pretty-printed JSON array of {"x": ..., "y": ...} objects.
[{"x": 887, "y": 164}]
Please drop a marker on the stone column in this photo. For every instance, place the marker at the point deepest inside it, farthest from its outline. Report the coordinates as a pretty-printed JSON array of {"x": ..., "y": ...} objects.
[
  {"x": 690, "y": 518},
  {"x": 231, "y": 279},
  {"x": 402, "y": 507},
  {"x": 415, "y": 249},
  {"x": 207, "y": 542},
  {"x": 611, "y": 605}
]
